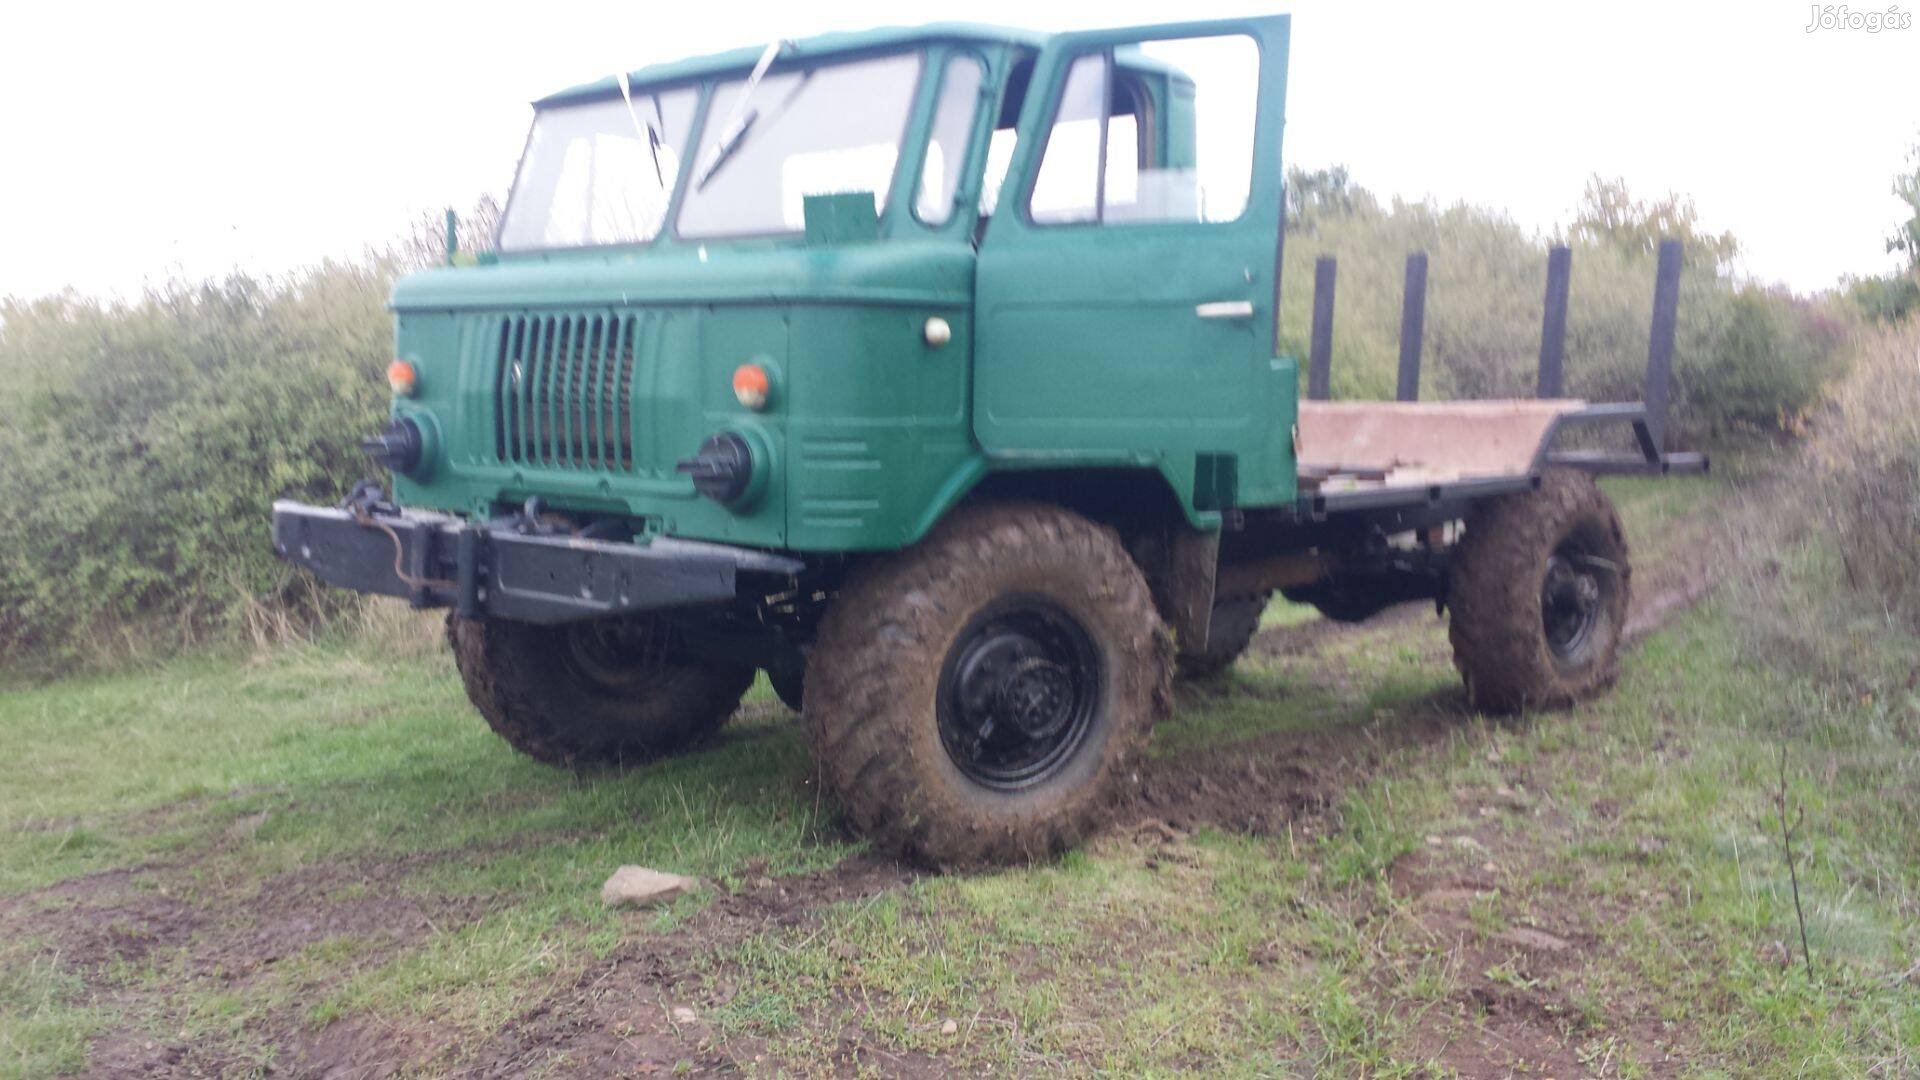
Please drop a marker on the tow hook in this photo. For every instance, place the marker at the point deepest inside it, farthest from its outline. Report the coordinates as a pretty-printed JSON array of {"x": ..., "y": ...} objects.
[
  {"x": 367, "y": 503},
  {"x": 367, "y": 499},
  {"x": 532, "y": 520}
]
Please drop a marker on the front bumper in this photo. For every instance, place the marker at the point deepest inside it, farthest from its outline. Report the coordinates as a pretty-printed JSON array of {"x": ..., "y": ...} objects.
[{"x": 435, "y": 560}]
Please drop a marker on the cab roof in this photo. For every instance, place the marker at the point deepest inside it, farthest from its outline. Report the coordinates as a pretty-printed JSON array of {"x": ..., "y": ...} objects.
[{"x": 742, "y": 60}]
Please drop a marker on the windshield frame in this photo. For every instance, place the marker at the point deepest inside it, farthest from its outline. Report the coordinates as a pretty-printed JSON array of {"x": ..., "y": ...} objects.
[
  {"x": 973, "y": 151},
  {"x": 905, "y": 168}
]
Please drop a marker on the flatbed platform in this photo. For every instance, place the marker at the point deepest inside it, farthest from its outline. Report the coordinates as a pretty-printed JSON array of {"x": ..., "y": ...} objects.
[
  {"x": 1346, "y": 445},
  {"x": 1364, "y": 454}
]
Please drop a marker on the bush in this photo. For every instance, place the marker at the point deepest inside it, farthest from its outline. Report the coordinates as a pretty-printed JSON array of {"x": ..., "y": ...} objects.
[
  {"x": 143, "y": 443},
  {"x": 1866, "y": 464},
  {"x": 1888, "y": 299}
]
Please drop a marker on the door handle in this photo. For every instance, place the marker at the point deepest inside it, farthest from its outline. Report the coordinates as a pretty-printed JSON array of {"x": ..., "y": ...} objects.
[{"x": 1225, "y": 309}]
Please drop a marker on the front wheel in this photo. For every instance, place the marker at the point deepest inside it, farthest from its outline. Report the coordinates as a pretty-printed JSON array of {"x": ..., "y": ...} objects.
[
  {"x": 981, "y": 697},
  {"x": 1539, "y": 590},
  {"x": 605, "y": 691}
]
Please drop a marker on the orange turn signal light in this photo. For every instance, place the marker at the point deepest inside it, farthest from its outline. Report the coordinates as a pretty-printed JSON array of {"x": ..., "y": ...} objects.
[
  {"x": 402, "y": 378},
  {"x": 752, "y": 386}
]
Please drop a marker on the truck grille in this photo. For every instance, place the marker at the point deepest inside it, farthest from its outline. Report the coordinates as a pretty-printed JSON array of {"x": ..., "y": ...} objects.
[{"x": 563, "y": 391}]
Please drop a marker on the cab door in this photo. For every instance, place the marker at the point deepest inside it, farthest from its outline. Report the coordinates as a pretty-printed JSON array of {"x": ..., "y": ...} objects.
[{"x": 1126, "y": 282}]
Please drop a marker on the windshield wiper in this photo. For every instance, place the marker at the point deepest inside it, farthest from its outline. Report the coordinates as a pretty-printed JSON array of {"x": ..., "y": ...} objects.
[
  {"x": 740, "y": 120},
  {"x": 646, "y": 129}
]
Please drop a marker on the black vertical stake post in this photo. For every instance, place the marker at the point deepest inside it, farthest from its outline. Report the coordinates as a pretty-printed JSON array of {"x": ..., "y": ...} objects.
[
  {"x": 1413, "y": 315},
  {"x": 1320, "y": 350},
  {"x": 1666, "y": 317},
  {"x": 1553, "y": 322}
]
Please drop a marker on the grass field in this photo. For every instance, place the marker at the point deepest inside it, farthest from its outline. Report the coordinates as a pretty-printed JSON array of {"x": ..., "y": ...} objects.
[{"x": 320, "y": 860}]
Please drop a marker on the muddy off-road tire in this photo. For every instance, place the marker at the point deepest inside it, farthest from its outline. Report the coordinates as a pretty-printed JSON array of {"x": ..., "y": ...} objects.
[
  {"x": 1229, "y": 631},
  {"x": 981, "y": 697},
  {"x": 602, "y": 692},
  {"x": 1538, "y": 594}
]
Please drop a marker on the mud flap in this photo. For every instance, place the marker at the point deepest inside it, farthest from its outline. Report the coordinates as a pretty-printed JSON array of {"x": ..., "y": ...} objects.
[{"x": 1181, "y": 574}]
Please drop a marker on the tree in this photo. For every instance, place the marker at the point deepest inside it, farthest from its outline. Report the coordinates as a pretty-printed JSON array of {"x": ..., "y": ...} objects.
[
  {"x": 1609, "y": 214},
  {"x": 1906, "y": 239},
  {"x": 1322, "y": 191},
  {"x": 1892, "y": 297},
  {"x": 425, "y": 242}
]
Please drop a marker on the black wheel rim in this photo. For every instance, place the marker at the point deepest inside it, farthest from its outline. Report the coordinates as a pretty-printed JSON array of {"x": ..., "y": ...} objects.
[
  {"x": 616, "y": 654},
  {"x": 1018, "y": 693},
  {"x": 1573, "y": 599}
]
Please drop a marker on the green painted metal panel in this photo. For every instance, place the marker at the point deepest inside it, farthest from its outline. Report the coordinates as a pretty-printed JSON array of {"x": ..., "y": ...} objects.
[
  {"x": 588, "y": 397},
  {"x": 879, "y": 424}
]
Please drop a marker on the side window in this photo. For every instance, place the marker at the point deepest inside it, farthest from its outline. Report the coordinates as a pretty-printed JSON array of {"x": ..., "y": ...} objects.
[
  {"x": 1127, "y": 117},
  {"x": 1067, "y": 188},
  {"x": 999, "y": 160},
  {"x": 947, "y": 144},
  {"x": 1158, "y": 132}
]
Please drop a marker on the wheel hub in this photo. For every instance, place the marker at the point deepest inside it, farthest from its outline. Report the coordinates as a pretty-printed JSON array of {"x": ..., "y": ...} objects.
[
  {"x": 617, "y": 654},
  {"x": 1017, "y": 694},
  {"x": 1036, "y": 695},
  {"x": 1571, "y": 598}
]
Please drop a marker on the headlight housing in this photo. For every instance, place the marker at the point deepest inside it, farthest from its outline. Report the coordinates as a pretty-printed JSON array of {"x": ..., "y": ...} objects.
[
  {"x": 401, "y": 447},
  {"x": 723, "y": 469}
]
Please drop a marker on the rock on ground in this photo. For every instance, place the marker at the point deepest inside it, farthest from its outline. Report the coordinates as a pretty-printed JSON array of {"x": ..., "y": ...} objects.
[{"x": 637, "y": 886}]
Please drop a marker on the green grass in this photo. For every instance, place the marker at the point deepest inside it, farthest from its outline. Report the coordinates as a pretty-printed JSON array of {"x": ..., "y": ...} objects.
[
  {"x": 156, "y": 825},
  {"x": 44, "y": 1019}
]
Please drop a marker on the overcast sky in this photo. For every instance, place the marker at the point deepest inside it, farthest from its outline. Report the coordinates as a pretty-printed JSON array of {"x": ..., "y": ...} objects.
[{"x": 190, "y": 138}]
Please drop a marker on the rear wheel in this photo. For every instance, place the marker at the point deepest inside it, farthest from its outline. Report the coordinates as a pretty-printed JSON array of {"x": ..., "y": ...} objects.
[
  {"x": 1539, "y": 590},
  {"x": 609, "y": 690},
  {"x": 981, "y": 697},
  {"x": 1229, "y": 633}
]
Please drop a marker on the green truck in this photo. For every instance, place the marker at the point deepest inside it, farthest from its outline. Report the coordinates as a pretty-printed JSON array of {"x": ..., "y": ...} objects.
[{"x": 933, "y": 373}]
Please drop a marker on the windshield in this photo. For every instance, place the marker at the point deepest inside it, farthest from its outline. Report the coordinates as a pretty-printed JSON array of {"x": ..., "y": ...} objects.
[
  {"x": 599, "y": 173},
  {"x": 589, "y": 173},
  {"x": 821, "y": 132}
]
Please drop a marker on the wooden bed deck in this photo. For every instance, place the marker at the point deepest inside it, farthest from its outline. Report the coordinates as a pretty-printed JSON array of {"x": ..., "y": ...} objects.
[{"x": 1366, "y": 445}]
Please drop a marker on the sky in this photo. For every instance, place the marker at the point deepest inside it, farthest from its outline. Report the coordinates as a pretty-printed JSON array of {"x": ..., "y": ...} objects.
[{"x": 189, "y": 138}]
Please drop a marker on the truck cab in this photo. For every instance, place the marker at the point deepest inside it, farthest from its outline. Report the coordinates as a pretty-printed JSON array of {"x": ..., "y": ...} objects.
[{"x": 907, "y": 247}]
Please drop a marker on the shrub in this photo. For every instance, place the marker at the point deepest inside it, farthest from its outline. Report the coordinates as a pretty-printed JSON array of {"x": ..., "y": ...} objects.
[
  {"x": 144, "y": 441},
  {"x": 1866, "y": 464}
]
